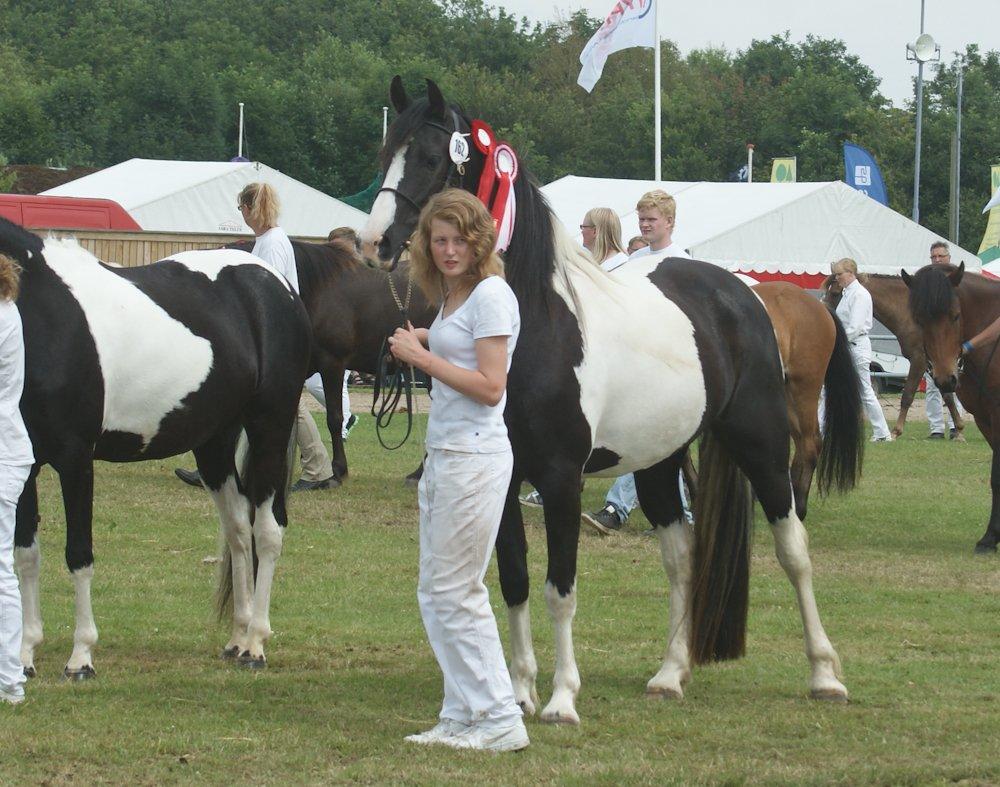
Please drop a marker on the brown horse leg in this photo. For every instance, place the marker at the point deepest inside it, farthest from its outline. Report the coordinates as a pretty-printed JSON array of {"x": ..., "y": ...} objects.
[
  {"x": 333, "y": 386},
  {"x": 909, "y": 392},
  {"x": 803, "y": 420},
  {"x": 956, "y": 418}
]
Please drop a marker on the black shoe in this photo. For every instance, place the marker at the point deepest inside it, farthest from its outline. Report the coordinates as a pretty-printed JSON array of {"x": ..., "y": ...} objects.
[
  {"x": 308, "y": 486},
  {"x": 192, "y": 477},
  {"x": 936, "y": 436},
  {"x": 605, "y": 521}
]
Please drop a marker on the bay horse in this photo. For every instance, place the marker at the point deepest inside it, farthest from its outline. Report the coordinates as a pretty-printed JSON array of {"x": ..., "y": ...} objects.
[
  {"x": 705, "y": 350},
  {"x": 951, "y": 308},
  {"x": 890, "y": 303},
  {"x": 130, "y": 364},
  {"x": 352, "y": 308}
]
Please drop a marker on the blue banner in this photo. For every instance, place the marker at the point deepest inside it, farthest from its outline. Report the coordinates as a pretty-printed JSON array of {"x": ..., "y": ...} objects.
[{"x": 862, "y": 173}]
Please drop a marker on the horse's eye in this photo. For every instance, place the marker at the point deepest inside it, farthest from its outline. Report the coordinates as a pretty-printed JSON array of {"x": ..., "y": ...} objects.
[{"x": 956, "y": 317}]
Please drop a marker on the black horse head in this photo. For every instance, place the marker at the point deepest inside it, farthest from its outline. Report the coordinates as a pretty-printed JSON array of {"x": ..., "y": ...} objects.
[
  {"x": 935, "y": 307},
  {"x": 416, "y": 164}
]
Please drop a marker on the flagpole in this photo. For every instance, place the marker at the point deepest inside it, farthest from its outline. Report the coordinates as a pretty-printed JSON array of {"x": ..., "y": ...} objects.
[{"x": 656, "y": 85}]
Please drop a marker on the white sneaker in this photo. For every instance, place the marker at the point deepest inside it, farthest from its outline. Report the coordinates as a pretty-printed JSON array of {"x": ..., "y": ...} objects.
[
  {"x": 446, "y": 728},
  {"x": 10, "y": 697},
  {"x": 513, "y": 737},
  {"x": 532, "y": 499}
]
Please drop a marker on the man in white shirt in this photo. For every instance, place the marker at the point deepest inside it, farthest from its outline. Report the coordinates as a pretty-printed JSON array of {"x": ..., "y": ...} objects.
[{"x": 657, "y": 212}]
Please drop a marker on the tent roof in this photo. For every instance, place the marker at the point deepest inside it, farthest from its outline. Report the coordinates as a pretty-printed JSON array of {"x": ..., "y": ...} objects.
[
  {"x": 765, "y": 227},
  {"x": 200, "y": 196}
]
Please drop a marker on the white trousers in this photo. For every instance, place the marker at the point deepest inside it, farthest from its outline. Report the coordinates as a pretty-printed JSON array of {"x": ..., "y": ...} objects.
[
  {"x": 862, "y": 356},
  {"x": 937, "y": 413},
  {"x": 461, "y": 500},
  {"x": 12, "y": 478},
  {"x": 314, "y": 385}
]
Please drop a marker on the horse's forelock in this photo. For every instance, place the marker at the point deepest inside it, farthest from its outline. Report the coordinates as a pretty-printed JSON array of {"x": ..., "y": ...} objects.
[
  {"x": 930, "y": 294},
  {"x": 406, "y": 124}
]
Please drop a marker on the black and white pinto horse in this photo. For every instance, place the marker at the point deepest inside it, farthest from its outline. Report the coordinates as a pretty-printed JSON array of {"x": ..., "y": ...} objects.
[
  {"x": 129, "y": 364},
  {"x": 614, "y": 375}
]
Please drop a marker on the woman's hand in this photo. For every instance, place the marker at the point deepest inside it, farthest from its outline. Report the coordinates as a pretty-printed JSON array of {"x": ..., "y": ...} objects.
[{"x": 406, "y": 346}]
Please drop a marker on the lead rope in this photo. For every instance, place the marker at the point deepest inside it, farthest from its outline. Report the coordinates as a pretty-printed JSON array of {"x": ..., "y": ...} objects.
[{"x": 391, "y": 380}]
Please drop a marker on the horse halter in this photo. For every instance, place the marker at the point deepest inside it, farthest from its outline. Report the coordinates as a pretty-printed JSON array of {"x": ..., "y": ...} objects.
[{"x": 452, "y": 169}]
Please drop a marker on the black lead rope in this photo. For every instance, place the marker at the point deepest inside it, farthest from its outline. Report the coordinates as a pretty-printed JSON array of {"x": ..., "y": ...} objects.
[{"x": 393, "y": 379}]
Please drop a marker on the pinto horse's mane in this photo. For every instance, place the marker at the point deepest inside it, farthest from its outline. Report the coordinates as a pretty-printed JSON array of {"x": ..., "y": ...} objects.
[{"x": 17, "y": 242}]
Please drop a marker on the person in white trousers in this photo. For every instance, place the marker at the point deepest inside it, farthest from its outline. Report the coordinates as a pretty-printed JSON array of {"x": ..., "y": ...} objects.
[
  {"x": 16, "y": 459},
  {"x": 467, "y": 469},
  {"x": 855, "y": 313}
]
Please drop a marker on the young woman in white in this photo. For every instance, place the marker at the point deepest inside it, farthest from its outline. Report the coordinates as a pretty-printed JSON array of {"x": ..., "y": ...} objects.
[
  {"x": 467, "y": 351},
  {"x": 16, "y": 459}
]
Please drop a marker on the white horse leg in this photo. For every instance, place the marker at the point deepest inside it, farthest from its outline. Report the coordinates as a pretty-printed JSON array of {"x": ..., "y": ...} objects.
[
  {"x": 267, "y": 536},
  {"x": 566, "y": 681},
  {"x": 791, "y": 544},
  {"x": 28, "y": 563},
  {"x": 523, "y": 667},
  {"x": 81, "y": 665},
  {"x": 234, "y": 524},
  {"x": 675, "y": 550}
]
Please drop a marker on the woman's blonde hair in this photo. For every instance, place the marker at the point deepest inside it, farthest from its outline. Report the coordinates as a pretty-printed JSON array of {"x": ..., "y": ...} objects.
[
  {"x": 847, "y": 264},
  {"x": 473, "y": 222},
  {"x": 10, "y": 278},
  {"x": 262, "y": 200},
  {"x": 607, "y": 233}
]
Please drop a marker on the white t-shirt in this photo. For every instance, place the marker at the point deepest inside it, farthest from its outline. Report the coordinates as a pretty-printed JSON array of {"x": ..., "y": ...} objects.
[
  {"x": 456, "y": 422},
  {"x": 613, "y": 262},
  {"x": 673, "y": 250},
  {"x": 15, "y": 447},
  {"x": 276, "y": 250}
]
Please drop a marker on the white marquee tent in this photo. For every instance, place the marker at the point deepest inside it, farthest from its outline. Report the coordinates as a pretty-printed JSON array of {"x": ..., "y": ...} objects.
[
  {"x": 793, "y": 230},
  {"x": 200, "y": 196}
]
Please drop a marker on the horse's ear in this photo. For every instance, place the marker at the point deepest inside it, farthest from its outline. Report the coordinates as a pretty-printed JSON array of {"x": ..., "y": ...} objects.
[
  {"x": 907, "y": 278},
  {"x": 955, "y": 276},
  {"x": 435, "y": 99},
  {"x": 397, "y": 95}
]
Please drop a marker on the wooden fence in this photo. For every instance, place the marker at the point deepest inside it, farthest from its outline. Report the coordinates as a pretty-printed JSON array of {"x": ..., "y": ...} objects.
[{"x": 140, "y": 248}]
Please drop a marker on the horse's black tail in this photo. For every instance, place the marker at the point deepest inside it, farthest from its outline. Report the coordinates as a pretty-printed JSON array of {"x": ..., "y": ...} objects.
[
  {"x": 720, "y": 592},
  {"x": 841, "y": 454}
]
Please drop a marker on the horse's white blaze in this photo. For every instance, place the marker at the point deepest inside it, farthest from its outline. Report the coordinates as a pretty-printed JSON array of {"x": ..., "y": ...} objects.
[
  {"x": 136, "y": 397},
  {"x": 85, "y": 636},
  {"x": 566, "y": 680},
  {"x": 791, "y": 544},
  {"x": 383, "y": 212},
  {"x": 28, "y": 562},
  {"x": 638, "y": 353},
  {"x": 211, "y": 262},
  {"x": 523, "y": 667},
  {"x": 676, "y": 543}
]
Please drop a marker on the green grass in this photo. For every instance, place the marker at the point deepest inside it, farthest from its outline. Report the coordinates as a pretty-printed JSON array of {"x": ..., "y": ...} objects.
[{"x": 914, "y": 616}]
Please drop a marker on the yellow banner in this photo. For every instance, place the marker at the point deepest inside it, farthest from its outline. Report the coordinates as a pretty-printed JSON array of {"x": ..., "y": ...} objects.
[
  {"x": 989, "y": 249},
  {"x": 783, "y": 170}
]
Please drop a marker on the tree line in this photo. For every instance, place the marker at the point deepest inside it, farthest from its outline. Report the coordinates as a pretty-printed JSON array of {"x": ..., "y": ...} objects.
[{"x": 95, "y": 82}]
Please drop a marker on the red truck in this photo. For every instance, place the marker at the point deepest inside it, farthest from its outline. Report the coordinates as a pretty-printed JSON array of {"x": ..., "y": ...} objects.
[{"x": 65, "y": 213}]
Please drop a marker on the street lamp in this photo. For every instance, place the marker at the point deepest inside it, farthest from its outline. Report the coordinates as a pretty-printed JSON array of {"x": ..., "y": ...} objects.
[{"x": 923, "y": 50}]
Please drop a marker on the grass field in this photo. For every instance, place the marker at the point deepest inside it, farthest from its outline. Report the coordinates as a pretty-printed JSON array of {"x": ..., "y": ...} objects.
[{"x": 914, "y": 616}]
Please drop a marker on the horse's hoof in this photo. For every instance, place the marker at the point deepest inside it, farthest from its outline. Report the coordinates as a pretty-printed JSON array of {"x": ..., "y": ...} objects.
[
  {"x": 29, "y": 672},
  {"x": 664, "y": 693},
  {"x": 567, "y": 718},
  {"x": 828, "y": 695},
  {"x": 252, "y": 662},
  {"x": 985, "y": 549},
  {"x": 79, "y": 675},
  {"x": 230, "y": 654}
]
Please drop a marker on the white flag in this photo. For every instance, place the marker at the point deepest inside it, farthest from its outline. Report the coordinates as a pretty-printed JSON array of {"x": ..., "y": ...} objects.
[
  {"x": 630, "y": 23},
  {"x": 993, "y": 203}
]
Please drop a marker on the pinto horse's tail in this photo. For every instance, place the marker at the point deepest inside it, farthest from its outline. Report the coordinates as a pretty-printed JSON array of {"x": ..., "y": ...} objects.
[
  {"x": 720, "y": 592},
  {"x": 844, "y": 438}
]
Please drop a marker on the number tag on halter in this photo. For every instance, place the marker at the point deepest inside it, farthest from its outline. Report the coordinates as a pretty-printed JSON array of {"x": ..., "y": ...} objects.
[{"x": 459, "y": 149}]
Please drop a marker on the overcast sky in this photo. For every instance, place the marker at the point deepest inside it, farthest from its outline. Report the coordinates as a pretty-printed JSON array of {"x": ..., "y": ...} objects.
[{"x": 877, "y": 31}]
